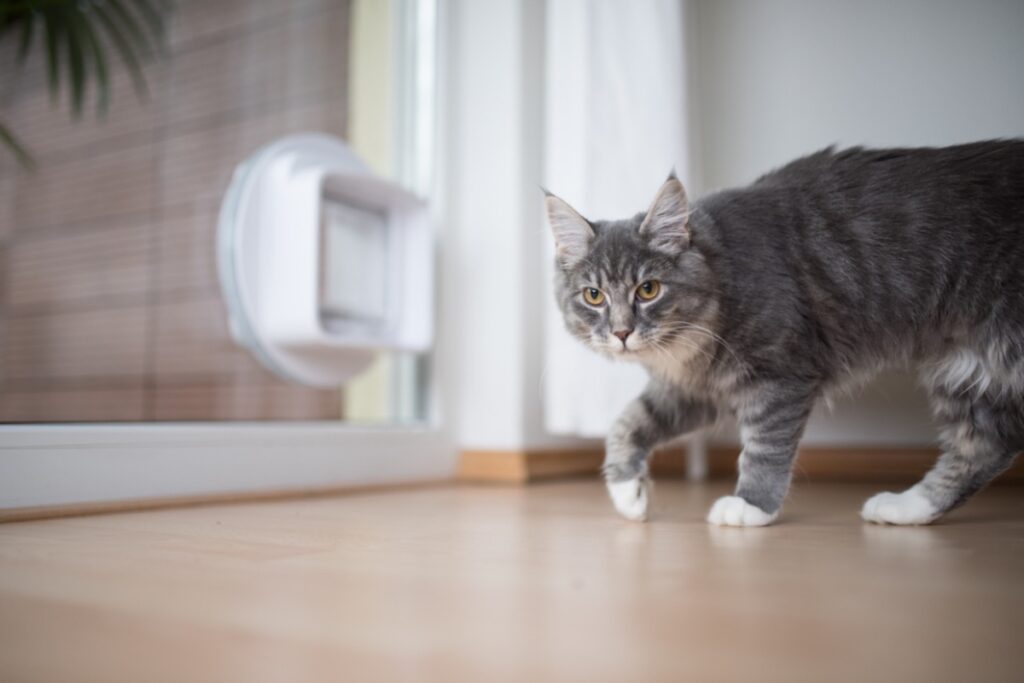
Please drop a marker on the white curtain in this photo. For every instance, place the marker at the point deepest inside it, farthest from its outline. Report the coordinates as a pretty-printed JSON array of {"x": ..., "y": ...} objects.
[{"x": 615, "y": 124}]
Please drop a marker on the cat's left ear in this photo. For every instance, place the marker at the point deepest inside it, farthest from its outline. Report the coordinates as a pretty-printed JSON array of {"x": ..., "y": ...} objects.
[
  {"x": 572, "y": 232},
  {"x": 667, "y": 222}
]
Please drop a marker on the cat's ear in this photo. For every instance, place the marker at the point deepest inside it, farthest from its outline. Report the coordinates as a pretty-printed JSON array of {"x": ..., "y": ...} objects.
[
  {"x": 666, "y": 224},
  {"x": 572, "y": 231}
]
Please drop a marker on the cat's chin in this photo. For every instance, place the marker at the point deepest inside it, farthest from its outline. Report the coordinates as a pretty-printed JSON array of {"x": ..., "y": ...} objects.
[
  {"x": 614, "y": 352},
  {"x": 636, "y": 354}
]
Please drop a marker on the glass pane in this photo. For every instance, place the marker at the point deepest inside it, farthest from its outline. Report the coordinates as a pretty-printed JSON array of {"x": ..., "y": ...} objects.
[{"x": 110, "y": 304}]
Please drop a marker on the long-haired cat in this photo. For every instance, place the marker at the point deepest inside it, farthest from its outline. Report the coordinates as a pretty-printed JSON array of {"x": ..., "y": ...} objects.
[{"x": 757, "y": 301}]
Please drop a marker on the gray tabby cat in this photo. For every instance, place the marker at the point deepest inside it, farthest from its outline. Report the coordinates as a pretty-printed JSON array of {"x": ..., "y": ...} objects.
[{"x": 757, "y": 301}]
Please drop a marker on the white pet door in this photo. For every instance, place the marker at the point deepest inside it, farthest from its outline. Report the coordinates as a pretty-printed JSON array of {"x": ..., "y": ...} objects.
[{"x": 321, "y": 262}]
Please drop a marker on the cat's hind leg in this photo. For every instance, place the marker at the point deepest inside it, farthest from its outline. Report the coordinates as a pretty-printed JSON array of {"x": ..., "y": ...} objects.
[
  {"x": 982, "y": 433},
  {"x": 659, "y": 414}
]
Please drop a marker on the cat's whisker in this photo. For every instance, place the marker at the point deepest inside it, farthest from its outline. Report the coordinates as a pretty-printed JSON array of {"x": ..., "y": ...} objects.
[
  {"x": 673, "y": 332},
  {"x": 700, "y": 329},
  {"x": 666, "y": 354},
  {"x": 663, "y": 345}
]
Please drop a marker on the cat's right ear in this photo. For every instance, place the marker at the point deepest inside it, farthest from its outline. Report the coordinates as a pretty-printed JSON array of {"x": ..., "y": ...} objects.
[
  {"x": 666, "y": 224},
  {"x": 572, "y": 231}
]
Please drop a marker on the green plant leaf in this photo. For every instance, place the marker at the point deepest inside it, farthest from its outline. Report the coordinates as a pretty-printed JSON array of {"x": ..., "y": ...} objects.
[
  {"x": 124, "y": 49},
  {"x": 88, "y": 35},
  {"x": 77, "y": 62},
  {"x": 28, "y": 24},
  {"x": 152, "y": 16},
  {"x": 26, "y": 36},
  {"x": 75, "y": 50},
  {"x": 131, "y": 26},
  {"x": 8, "y": 18},
  {"x": 10, "y": 7},
  {"x": 53, "y": 30},
  {"x": 19, "y": 151}
]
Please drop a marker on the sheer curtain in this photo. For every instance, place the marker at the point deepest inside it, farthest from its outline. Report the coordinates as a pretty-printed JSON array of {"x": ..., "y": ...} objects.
[{"x": 616, "y": 122}]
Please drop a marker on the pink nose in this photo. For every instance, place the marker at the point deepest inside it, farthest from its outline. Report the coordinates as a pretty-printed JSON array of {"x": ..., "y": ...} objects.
[{"x": 622, "y": 334}]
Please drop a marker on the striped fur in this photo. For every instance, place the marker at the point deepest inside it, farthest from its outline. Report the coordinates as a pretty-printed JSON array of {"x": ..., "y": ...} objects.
[{"x": 808, "y": 282}]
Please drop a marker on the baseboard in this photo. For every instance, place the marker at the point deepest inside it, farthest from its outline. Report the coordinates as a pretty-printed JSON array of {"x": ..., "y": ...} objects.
[
  {"x": 519, "y": 467},
  {"x": 821, "y": 463}
]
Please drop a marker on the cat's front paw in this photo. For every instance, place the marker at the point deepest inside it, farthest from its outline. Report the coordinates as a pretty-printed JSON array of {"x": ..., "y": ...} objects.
[
  {"x": 631, "y": 497},
  {"x": 909, "y": 507},
  {"x": 734, "y": 511}
]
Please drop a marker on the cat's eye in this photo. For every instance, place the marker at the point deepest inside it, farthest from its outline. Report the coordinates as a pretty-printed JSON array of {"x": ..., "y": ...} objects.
[
  {"x": 648, "y": 289},
  {"x": 593, "y": 296}
]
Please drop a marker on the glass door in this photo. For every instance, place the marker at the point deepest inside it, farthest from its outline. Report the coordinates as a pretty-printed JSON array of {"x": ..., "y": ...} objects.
[{"x": 113, "y": 328}]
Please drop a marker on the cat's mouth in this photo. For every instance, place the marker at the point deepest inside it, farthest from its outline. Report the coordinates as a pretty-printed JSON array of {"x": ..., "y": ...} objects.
[
  {"x": 644, "y": 349},
  {"x": 636, "y": 347},
  {"x": 625, "y": 349}
]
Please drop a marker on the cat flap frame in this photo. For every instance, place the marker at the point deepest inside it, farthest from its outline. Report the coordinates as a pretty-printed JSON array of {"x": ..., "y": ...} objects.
[{"x": 292, "y": 214}]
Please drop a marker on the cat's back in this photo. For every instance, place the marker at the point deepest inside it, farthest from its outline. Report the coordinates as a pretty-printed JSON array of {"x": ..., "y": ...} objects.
[
  {"x": 871, "y": 238},
  {"x": 1003, "y": 156},
  {"x": 935, "y": 189},
  {"x": 990, "y": 171}
]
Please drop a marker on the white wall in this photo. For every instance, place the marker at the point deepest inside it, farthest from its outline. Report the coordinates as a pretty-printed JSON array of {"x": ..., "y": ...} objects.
[
  {"x": 782, "y": 78},
  {"x": 779, "y": 79},
  {"x": 773, "y": 80},
  {"x": 485, "y": 277},
  {"x": 492, "y": 279},
  {"x": 615, "y": 109}
]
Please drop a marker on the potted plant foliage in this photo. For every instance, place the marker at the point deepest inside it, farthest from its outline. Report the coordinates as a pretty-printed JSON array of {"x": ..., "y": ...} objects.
[{"x": 80, "y": 39}]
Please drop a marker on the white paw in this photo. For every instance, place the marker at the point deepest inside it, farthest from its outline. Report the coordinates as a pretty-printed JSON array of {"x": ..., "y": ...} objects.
[
  {"x": 909, "y": 507},
  {"x": 631, "y": 497},
  {"x": 734, "y": 511}
]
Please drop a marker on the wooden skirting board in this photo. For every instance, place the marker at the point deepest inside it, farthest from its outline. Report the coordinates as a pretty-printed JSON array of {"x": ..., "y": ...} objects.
[{"x": 894, "y": 464}]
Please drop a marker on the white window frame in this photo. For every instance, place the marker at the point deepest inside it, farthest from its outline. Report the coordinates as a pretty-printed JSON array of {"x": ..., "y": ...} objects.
[
  {"x": 58, "y": 465},
  {"x": 55, "y": 465}
]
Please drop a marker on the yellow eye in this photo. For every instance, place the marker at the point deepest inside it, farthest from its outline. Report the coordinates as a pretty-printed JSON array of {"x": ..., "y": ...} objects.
[
  {"x": 594, "y": 297},
  {"x": 648, "y": 289}
]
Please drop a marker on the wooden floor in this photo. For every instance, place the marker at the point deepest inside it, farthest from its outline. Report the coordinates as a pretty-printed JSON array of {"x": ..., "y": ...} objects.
[{"x": 541, "y": 583}]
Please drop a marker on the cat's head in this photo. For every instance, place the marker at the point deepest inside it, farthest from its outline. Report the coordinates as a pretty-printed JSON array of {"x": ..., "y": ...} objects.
[{"x": 634, "y": 288}]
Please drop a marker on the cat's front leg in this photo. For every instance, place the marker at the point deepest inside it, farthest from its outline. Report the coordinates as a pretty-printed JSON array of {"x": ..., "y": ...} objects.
[
  {"x": 659, "y": 414},
  {"x": 772, "y": 419}
]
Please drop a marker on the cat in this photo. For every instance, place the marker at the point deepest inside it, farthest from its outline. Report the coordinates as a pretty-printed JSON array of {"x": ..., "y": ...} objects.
[{"x": 756, "y": 302}]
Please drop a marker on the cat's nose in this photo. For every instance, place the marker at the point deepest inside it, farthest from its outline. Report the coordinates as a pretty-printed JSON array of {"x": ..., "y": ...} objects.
[{"x": 622, "y": 334}]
